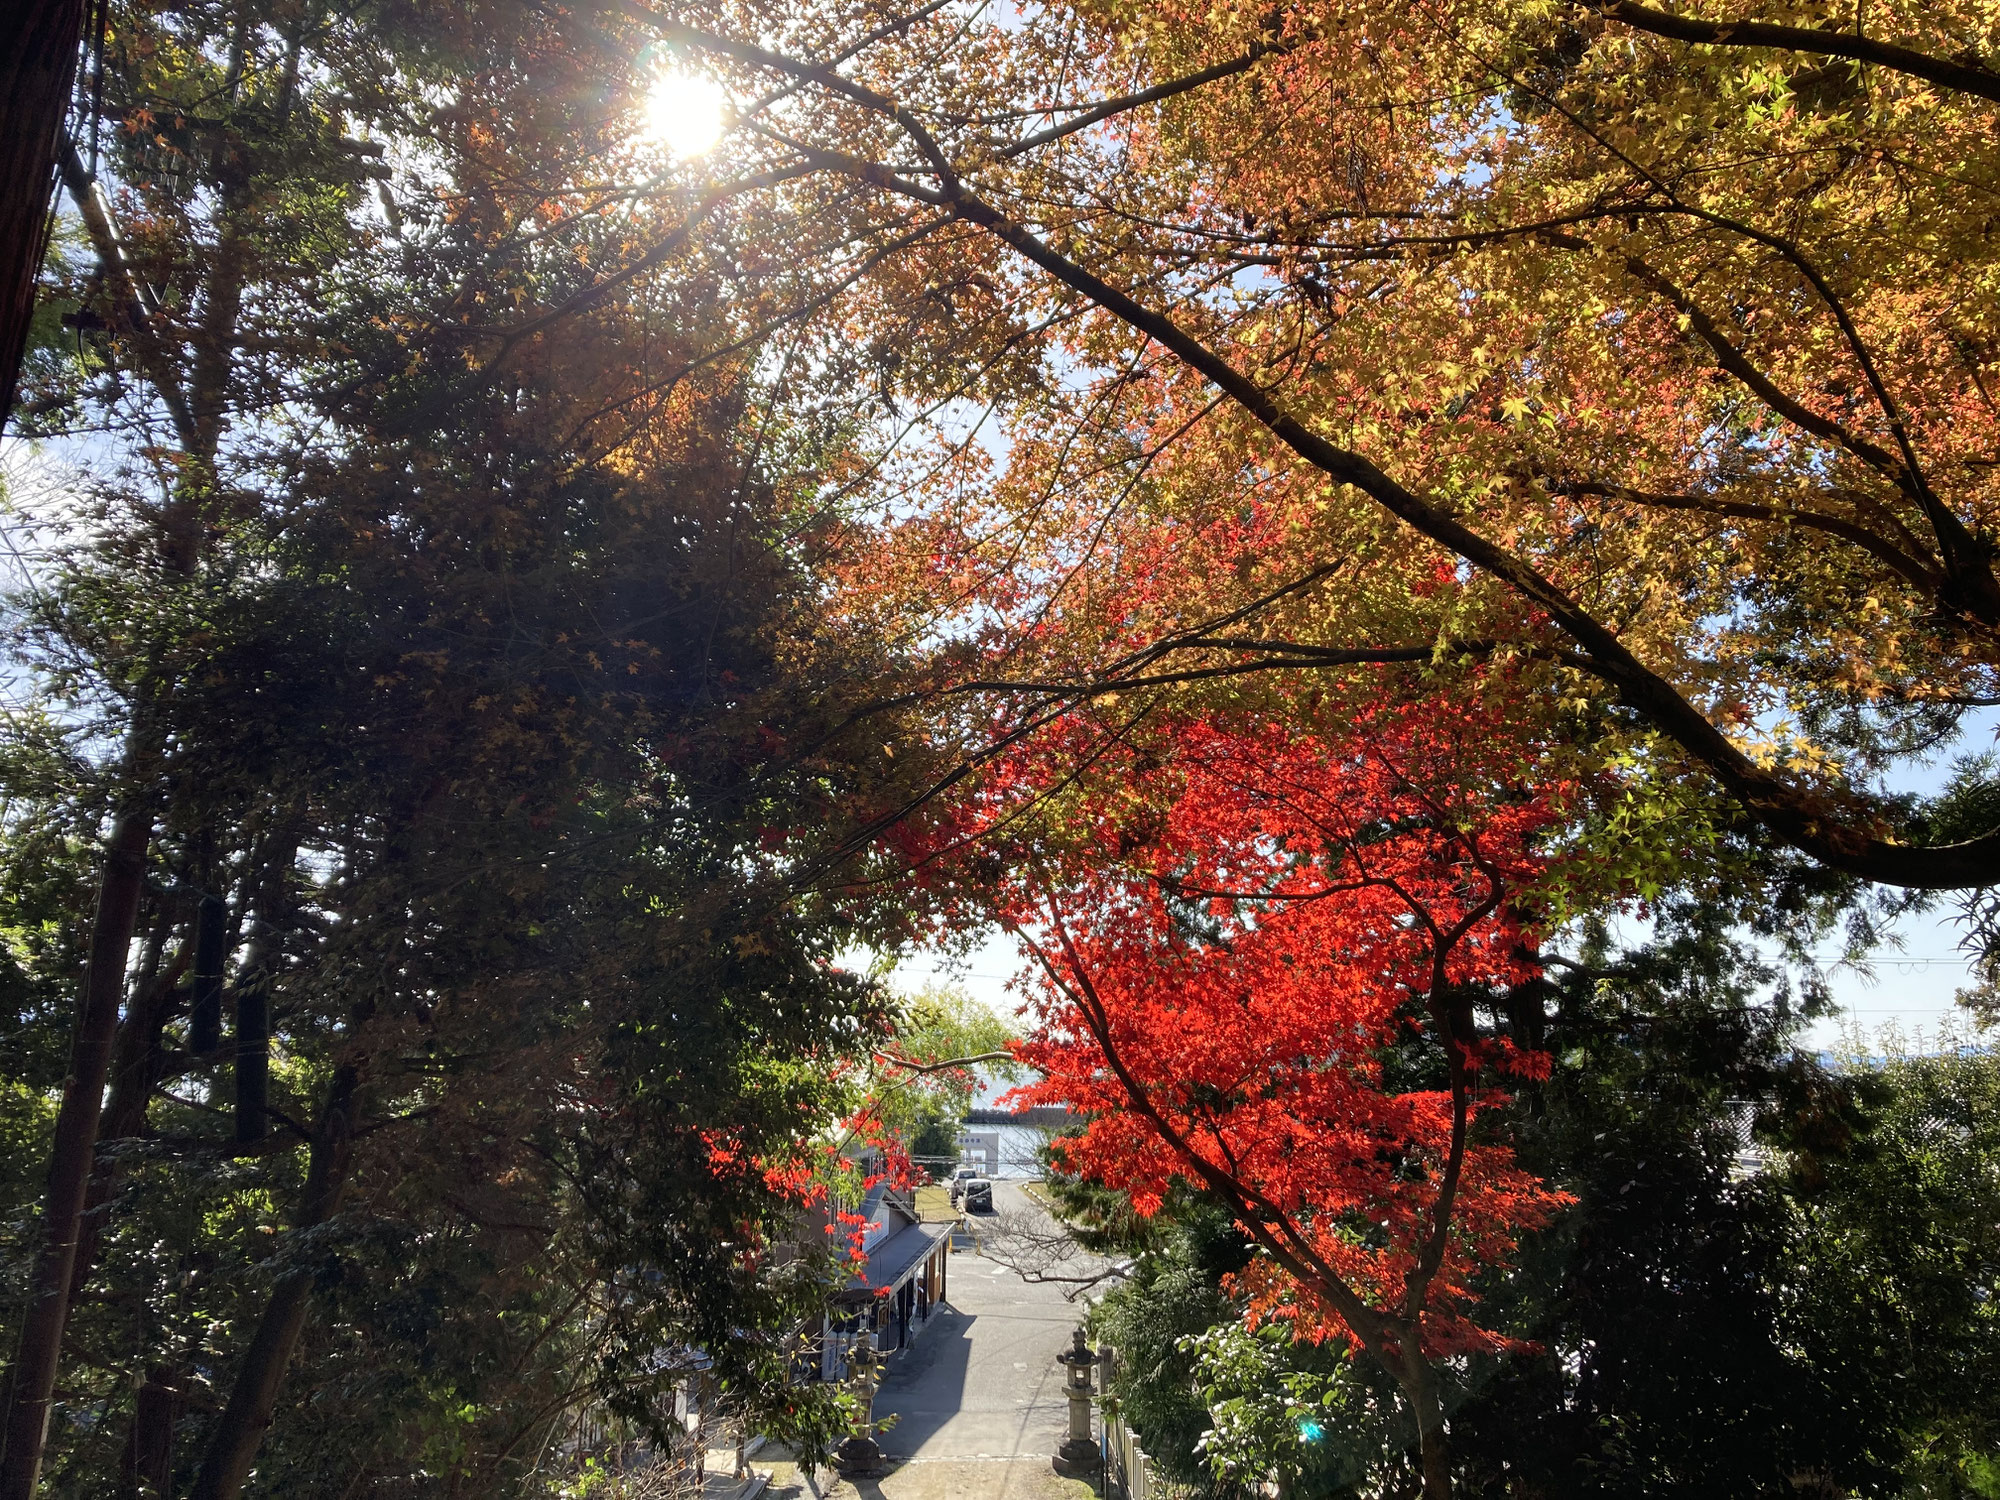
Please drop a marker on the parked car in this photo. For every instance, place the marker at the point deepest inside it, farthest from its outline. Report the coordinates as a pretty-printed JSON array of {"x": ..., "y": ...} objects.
[
  {"x": 958, "y": 1181},
  {"x": 978, "y": 1195}
]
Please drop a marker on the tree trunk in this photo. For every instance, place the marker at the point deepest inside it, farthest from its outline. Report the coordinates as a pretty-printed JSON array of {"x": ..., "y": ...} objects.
[
  {"x": 135, "y": 1071},
  {"x": 1419, "y": 1383},
  {"x": 211, "y": 951},
  {"x": 149, "y": 1447},
  {"x": 254, "y": 1397},
  {"x": 1436, "y": 1458},
  {"x": 253, "y": 1055},
  {"x": 72, "y": 1155},
  {"x": 253, "y": 991},
  {"x": 38, "y": 46}
]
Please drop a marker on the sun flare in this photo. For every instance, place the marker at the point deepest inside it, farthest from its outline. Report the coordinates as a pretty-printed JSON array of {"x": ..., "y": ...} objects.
[{"x": 684, "y": 115}]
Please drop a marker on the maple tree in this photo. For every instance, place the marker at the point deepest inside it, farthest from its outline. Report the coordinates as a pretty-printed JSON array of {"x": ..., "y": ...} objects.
[
  {"x": 1666, "y": 337},
  {"x": 1248, "y": 927},
  {"x": 1689, "y": 1337}
]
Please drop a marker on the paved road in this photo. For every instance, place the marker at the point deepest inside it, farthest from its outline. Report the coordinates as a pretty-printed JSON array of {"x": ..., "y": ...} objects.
[{"x": 978, "y": 1399}]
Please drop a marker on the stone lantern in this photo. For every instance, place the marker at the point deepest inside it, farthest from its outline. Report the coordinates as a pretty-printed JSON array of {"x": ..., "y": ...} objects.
[
  {"x": 859, "y": 1453},
  {"x": 1079, "y": 1455}
]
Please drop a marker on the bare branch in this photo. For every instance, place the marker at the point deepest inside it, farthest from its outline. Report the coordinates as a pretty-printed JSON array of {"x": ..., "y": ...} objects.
[
  {"x": 912, "y": 1066},
  {"x": 1152, "y": 95}
]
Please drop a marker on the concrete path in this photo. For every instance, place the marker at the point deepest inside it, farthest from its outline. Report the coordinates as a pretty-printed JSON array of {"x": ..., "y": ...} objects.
[{"x": 978, "y": 1399}]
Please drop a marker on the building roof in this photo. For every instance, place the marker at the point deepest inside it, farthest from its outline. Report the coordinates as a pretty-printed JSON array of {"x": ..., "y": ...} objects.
[
  {"x": 896, "y": 1259},
  {"x": 886, "y": 1214}
]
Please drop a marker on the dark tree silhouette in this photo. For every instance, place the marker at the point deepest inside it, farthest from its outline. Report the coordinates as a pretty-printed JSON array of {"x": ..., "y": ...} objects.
[{"x": 38, "y": 47}]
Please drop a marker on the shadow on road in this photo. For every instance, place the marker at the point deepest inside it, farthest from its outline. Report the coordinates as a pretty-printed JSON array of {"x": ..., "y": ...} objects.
[{"x": 926, "y": 1385}]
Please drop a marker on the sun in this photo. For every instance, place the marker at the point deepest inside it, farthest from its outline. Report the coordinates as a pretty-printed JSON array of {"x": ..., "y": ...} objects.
[{"x": 683, "y": 114}]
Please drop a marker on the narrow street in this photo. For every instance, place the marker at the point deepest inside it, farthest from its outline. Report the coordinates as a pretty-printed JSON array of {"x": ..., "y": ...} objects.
[{"x": 978, "y": 1399}]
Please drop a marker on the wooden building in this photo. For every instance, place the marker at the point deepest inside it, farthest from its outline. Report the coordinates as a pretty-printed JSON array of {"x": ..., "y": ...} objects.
[{"x": 900, "y": 1289}]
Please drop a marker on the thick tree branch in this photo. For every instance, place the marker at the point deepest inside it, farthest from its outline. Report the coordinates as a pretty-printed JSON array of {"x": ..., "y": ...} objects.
[
  {"x": 38, "y": 49},
  {"x": 1276, "y": 656},
  {"x": 1916, "y": 571},
  {"x": 136, "y": 305},
  {"x": 1958, "y": 77}
]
